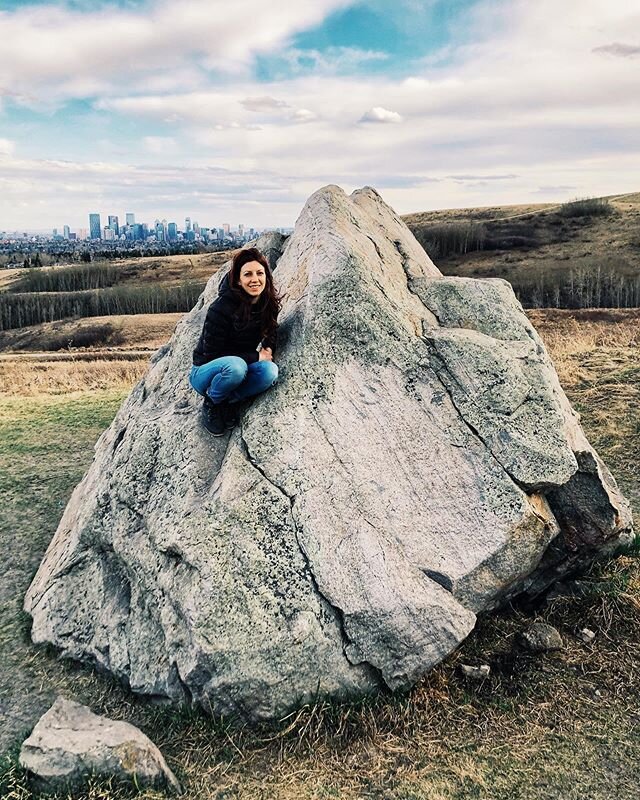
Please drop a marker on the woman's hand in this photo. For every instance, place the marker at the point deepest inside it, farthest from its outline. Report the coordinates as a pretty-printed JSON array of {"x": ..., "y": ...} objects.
[{"x": 265, "y": 354}]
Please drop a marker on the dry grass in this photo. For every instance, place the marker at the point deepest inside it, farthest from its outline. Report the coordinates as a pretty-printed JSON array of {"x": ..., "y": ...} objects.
[
  {"x": 22, "y": 377},
  {"x": 570, "y": 336},
  {"x": 481, "y": 213}
]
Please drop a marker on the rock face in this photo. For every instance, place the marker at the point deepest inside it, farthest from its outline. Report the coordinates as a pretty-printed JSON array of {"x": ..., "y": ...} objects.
[
  {"x": 70, "y": 744},
  {"x": 417, "y": 463}
]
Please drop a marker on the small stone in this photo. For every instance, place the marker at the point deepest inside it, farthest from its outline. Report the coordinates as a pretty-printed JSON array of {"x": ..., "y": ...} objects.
[
  {"x": 71, "y": 744},
  {"x": 585, "y": 635},
  {"x": 598, "y": 693},
  {"x": 475, "y": 673},
  {"x": 540, "y": 638}
]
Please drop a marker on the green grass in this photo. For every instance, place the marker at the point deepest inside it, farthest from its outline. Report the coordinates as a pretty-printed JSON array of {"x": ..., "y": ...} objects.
[{"x": 46, "y": 443}]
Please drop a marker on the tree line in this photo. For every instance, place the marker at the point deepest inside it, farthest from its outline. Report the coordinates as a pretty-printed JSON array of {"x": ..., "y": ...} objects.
[
  {"x": 17, "y": 310},
  {"x": 69, "y": 279},
  {"x": 578, "y": 287}
]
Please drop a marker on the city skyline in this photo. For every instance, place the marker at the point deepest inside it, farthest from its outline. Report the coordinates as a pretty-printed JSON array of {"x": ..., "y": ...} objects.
[
  {"x": 130, "y": 219},
  {"x": 242, "y": 112}
]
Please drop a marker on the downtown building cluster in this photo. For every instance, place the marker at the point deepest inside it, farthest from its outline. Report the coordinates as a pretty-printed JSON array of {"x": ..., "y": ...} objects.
[{"x": 160, "y": 231}]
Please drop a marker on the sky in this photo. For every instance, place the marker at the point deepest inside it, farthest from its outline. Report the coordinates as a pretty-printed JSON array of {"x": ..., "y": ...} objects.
[{"x": 237, "y": 112}]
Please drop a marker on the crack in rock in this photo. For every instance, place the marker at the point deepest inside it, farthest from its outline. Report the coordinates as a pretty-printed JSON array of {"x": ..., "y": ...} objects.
[{"x": 374, "y": 672}]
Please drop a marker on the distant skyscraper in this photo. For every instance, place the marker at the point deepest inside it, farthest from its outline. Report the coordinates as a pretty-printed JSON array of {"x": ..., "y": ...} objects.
[
  {"x": 65, "y": 231},
  {"x": 187, "y": 224},
  {"x": 241, "y": 230},
  {"x": 108, "y": 234},
  {"x": 196, "y": 228},
  {"x": 226, "y": 228},
  {"x": 94, "y": 226},
  {"x": 113, "y": 224},
  {"x": 55, "y": 232},
  {"x": 131, "y": 218},
  {"x": 172, "y": 231}
]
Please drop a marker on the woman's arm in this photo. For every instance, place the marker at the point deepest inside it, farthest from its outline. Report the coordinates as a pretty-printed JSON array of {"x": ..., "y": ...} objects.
[
  {"x": 215, "y": 332},
  {"x": 271, "y": 342}
]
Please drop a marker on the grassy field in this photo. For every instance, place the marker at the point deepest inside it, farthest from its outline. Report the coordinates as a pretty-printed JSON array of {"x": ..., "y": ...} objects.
[{"x": 562, "y": 726}]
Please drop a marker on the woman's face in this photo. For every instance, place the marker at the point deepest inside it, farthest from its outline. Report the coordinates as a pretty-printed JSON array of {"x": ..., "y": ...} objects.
[{"x": 253, "y": 279}]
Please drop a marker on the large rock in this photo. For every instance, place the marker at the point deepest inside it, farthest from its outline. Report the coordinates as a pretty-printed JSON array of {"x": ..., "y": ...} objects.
[
  {"x": 70, "y": 744},
  {"x": 417, "y": 463}
]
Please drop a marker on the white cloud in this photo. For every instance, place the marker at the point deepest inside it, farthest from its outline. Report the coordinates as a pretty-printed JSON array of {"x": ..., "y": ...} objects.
[
  {"x": 7, "y": 147},
  {"x": 159, "y": 144},
  {"x": 304, "y": 115},
  {"x": 52, "y": 53},
  {"x": 263, "y": 103},
  {"x": 618, "y": 49},
  {"x": 379, "y": 114},
  {"x": 331, "y": 60}
]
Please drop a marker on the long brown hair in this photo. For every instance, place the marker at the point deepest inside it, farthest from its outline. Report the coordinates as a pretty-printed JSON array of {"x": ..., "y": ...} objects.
[{"x": 269, "y": 301}]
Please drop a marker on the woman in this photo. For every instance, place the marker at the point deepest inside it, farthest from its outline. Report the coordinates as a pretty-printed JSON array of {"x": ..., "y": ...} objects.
[{"x": 234, "y": 356}]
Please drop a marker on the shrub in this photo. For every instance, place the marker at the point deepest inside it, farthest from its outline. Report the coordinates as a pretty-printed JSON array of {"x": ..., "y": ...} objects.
[
  {"x": 586, "y": 207},
  {"x": 453, "y": 238},
  {"x": 87, "y": 336},
  {"x": 68, "y": 279}
]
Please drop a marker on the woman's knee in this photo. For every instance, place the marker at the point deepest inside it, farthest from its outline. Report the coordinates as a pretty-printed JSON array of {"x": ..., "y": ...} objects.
[
  {"x": 196, "y": 383},
  {"x": 235, "y": 368},
  {"x": 270, "y": 372}
]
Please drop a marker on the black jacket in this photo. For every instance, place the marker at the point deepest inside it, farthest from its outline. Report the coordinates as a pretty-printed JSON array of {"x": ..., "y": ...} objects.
[{"x": 224, "y": 334}]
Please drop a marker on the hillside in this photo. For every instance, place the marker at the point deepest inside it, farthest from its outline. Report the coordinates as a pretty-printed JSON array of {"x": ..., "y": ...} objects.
[
  {"x": 165, "y": 270},
  {"x": 573, "y": 255},
  {"x": 34, "y": 296}
]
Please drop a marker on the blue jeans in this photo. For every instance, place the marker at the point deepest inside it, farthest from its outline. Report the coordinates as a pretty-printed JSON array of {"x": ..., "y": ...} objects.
[{"x": 231, "y": 378}]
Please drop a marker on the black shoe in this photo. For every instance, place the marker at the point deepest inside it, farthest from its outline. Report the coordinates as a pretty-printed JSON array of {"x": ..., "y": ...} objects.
[
  {"x": 230, "y": 415},
  {"x": 213, "y": 417}
]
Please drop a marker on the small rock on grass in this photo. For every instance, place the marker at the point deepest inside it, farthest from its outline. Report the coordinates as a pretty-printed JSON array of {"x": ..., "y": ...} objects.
[
  {"x": 586, "y": 635},
  {"x": 540, "y": 638},
  {"x": 70, "y": 744},
  {"x": 475, "y": 673}
]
